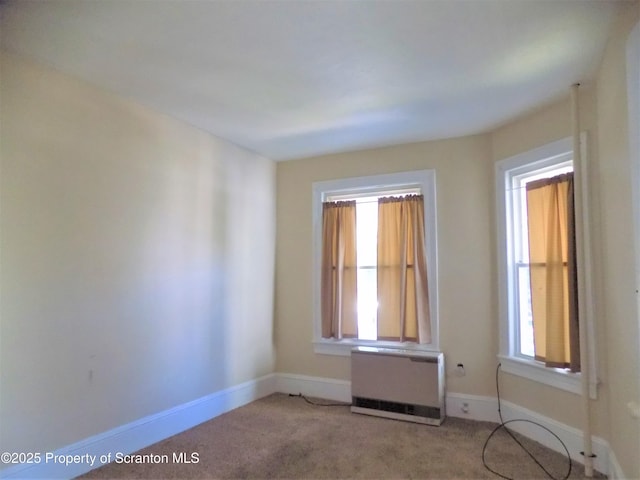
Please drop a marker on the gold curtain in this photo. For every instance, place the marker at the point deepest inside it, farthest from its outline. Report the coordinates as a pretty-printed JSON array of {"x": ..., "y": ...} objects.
[
  {"x": 339, "y": 270},
  {"x": 403, "y": 298},
  {"x": 552, "y": 262}
]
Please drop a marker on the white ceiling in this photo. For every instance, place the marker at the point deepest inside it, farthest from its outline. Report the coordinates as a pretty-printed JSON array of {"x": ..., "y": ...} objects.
[{"x": 291, "y": 79}]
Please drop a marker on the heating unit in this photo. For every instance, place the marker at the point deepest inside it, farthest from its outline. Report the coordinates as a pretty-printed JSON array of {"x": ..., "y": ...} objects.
[{"x": 400, "y": 384}]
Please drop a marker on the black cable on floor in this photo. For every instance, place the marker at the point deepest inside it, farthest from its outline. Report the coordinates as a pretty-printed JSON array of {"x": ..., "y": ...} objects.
[
  {"x": 503, "y": 425},
  {"x": 310, "y": 402}
]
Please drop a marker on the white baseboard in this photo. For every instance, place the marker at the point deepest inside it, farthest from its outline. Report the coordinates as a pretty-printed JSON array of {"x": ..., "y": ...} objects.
[
  {"x": 331, "y": 389},
  {"x": 146, "y": 431},
  {"x": 132, "y": 437},
  {"x": 572, "y": 437},
  {"x": 484, "y": 409},
  {"x": 615, "y": 470}
]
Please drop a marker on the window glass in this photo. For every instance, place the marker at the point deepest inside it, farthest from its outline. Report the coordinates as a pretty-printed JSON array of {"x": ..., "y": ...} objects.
[
  {"x": 367, "y": 236},
  {"x": 523, "y": 325},
  {"x": 366, "y": 191},
  {"x": 367, "y": 256}
]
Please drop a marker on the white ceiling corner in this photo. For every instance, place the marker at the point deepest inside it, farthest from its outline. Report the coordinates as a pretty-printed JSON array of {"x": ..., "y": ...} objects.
[{"x": 291, "y": 79}]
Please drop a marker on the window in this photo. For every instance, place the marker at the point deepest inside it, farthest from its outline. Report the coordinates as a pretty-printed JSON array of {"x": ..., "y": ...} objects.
[
  {"x": 366, "y": 263},
  {"x": 520, "y": 182},
  {"x": 356, "y": 199},
  {"x": 521, "y": 262},
  {"x": 367, "y": 243}
]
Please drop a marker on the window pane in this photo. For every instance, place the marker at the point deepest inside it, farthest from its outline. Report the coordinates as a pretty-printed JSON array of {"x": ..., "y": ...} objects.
[
  {"x": 367, "y": 243},
  {"x": 524, "y": 321},
  {"x": 367, "y": 304},
  {"x": 524, "y": 312},
  {"x": 367, "y": 232},
  {"x": 522, "y": 253}
]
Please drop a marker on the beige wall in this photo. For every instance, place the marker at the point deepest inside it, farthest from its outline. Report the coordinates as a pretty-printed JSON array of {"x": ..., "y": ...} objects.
[
  {"x": 137, "y": 261},
  {"x": 617, "y": 236},
  {"x": 536, "y": 129},
  {"x": 541, "y": 127},
  {"x": 604, "y": 117},
  {"x": 467, "y": 273},
  {"x": 467, "y": 269},
  {"x": 467, "y": 314}
]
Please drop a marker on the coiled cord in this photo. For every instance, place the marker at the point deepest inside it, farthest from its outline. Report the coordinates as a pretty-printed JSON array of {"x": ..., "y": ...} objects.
[{"x": 503, "y": 425}]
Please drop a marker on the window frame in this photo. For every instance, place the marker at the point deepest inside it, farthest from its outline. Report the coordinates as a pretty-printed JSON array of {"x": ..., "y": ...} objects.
[
  {"x": 425, "y": 180},
  {"x": 518, "y": 178},
  {"x": 512, "y": 362}
]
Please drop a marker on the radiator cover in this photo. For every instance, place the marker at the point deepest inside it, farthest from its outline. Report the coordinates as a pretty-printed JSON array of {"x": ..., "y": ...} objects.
[{"x": 399, "y": 384}]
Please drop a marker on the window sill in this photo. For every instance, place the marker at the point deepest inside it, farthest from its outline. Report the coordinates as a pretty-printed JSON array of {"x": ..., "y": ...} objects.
[
  {"x": 555, "y": 377},
  {"x": 343, "y": 347}
]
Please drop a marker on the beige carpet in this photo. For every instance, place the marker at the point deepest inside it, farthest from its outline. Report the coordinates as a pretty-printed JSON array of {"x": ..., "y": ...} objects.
[{"x": 284, "y": 437}]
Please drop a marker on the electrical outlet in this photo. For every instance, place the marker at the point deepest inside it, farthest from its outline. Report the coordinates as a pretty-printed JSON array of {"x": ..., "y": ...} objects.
[{"x": 464, "y": 407}]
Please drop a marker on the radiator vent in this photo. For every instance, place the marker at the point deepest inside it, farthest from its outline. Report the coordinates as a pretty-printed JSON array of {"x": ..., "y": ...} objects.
[
  {"x": 400, "y": 384},
  {"x": 397, "y": 407}
]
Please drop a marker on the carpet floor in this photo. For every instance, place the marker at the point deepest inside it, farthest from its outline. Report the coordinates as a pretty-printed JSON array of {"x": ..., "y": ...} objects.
[{"x": 283, "y": 437}]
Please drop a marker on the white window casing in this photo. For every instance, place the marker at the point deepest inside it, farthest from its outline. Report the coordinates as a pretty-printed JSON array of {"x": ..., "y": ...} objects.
[
  {"x": 425, "y": 181},
  {"x": 512, "y": 362}
]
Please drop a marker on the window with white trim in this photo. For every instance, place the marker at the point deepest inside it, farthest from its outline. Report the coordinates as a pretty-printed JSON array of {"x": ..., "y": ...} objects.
[
  {"x": 365, "y": 192},
  {"x": 517, "y": 352},
  {"x": 519, "y": 238}
]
